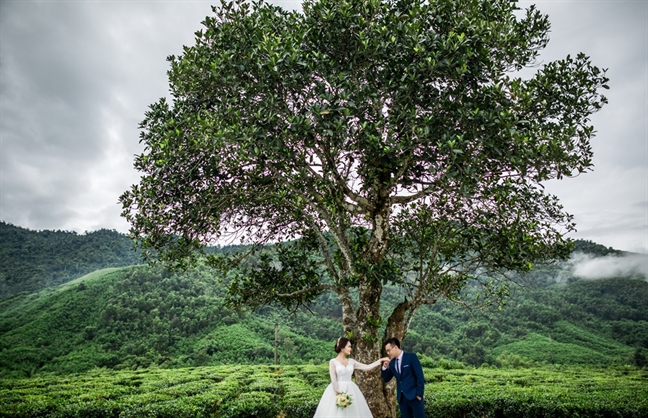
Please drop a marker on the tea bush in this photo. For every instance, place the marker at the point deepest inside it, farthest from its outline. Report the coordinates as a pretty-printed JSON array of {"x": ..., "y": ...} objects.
[{"x": 294, "y": 392}]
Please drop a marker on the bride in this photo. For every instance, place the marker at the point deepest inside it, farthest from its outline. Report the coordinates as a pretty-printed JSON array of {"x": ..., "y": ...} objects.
[{"x": 341, "y": 368}]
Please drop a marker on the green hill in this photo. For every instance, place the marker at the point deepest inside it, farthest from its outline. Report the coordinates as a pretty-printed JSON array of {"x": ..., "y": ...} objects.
[
  {"x": 33, "y": 260},
  {"x": 87, "y": 310},
  {"x": 136, "y": 317},
  {"x": 554, "y": 324}
]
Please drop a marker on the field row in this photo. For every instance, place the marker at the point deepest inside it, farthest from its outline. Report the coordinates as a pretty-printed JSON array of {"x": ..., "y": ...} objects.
[{"x": 294, "y": 391}]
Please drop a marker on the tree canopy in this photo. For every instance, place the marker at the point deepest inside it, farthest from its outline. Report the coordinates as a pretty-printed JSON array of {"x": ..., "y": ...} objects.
[{"x": 392, "y": 139}]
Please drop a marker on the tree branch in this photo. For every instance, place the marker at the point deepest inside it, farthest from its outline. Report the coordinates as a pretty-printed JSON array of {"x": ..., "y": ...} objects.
[
  {"x": 325, "y": 251},
  {"x": 364, "y": 203}
]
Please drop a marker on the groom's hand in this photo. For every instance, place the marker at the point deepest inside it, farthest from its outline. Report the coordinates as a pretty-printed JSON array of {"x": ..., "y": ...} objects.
[
  {"x": 386, "y": 364},
  {"x": 419, "y": 398}
]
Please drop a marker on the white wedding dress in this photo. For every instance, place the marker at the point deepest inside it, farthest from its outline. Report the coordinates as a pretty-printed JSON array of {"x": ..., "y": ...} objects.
[{"x": 341, "y": 382}]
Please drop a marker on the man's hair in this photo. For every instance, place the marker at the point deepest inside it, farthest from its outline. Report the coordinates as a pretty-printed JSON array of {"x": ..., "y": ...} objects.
[{"x": 393, "y": 342}]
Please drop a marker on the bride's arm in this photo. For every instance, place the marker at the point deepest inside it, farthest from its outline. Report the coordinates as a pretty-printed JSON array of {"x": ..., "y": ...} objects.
[
  {"x": 333, "y": 374},
  {"x": 359, "y": 366}
]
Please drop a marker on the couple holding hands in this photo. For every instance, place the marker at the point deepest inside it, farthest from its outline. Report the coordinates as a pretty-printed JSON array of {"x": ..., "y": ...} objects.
[{"x": 343, "y": 399}]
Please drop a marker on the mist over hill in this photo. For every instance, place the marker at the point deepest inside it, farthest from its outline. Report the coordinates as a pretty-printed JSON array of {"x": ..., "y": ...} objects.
[
  {"x": 586, "y": 266},
  {"x": 592, "y": 261}
]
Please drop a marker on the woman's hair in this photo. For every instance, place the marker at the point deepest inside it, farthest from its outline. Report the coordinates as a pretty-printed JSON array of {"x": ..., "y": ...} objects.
[{"x": 341, "y": 343}]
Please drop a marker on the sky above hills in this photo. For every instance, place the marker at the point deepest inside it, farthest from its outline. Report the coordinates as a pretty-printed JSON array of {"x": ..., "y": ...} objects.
[{"x": 76, "y": 78}]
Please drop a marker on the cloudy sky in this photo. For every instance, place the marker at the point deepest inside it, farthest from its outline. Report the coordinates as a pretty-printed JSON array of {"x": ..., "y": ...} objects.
[{"x": 77, "y": 76}]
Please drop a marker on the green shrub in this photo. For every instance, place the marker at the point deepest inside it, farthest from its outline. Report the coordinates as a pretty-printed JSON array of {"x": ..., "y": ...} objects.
[
  {"x": 509, "y": 360},
  {"x": 252, "y": 404},
  {"x": 295, "y": 391}
]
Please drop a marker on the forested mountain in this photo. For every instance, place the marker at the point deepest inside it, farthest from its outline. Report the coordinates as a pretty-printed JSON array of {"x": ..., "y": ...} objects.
[
  {"x": 32, "y": 260},
  {"x": 138, "y": 317},
  {"x": 592, "y": 248},
  {"x": 584, "y": 322},
  {"x": 141, "y": 317}
]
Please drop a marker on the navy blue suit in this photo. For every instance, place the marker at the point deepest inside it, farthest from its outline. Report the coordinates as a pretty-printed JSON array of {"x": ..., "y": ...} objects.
[{"x": 409, "y": 384}]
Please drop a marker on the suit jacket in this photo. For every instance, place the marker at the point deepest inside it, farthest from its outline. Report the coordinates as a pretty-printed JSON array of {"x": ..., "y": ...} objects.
[{"x": 410, "y": 382}]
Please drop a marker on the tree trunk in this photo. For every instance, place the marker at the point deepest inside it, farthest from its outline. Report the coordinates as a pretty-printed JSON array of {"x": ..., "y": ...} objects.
[
  {"x": 380, "y": 396},
  {"x": 389, "y": 391},
  {"x": 369, "y": 347},
  {"x": 396, "y": 326},
  {"x": 375, "y": 391},
  {"x": 370, "y": 382}
]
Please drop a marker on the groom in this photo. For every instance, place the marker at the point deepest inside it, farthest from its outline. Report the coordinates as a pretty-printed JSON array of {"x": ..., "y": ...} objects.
[{"x": 409, "y": 379}]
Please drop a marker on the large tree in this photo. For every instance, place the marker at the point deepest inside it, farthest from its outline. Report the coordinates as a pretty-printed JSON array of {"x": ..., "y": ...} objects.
[{"x": 382, "y": 141}]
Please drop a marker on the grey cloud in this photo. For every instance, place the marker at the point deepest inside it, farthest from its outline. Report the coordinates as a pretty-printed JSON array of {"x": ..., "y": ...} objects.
[
  {"x": 48, "y": 122},
  {"x": 588, "y": 267},
  {"x": 606, "y": 207},
  {"x": 604, "y": 201},
  {"x": 77, "y": 77}
]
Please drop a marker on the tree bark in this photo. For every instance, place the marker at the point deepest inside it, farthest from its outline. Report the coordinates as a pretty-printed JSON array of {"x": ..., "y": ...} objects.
[
  {"x": 380, "y": 396},
  {"x": 369, "y": 347},
  {"x": 370, "y": 382},
  {"x": 396, "y": 325},
  {"x": 375, "y": 392}
]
